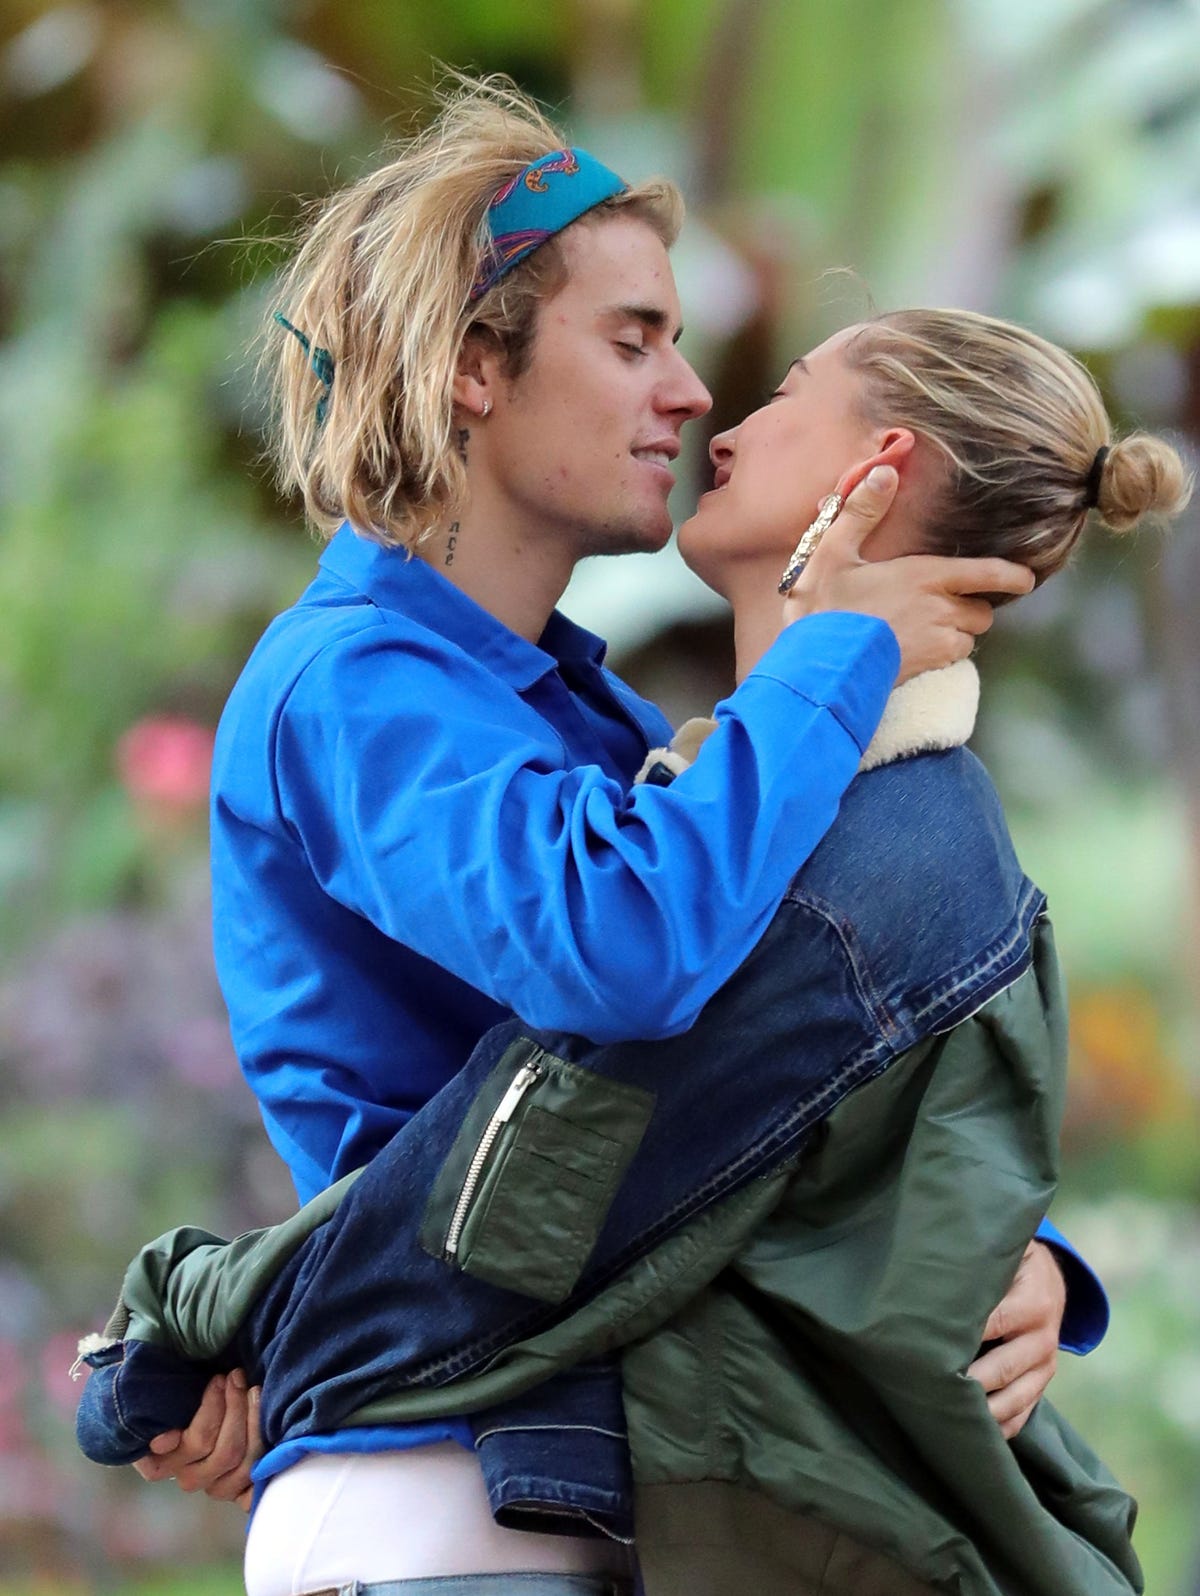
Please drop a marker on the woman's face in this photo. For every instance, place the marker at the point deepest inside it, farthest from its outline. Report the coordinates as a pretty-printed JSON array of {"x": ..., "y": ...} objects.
[{"x": 776, "y": 467}]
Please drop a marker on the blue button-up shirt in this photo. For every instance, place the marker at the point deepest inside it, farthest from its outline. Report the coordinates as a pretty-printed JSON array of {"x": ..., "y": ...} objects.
[{"x": 422, "y": 821}]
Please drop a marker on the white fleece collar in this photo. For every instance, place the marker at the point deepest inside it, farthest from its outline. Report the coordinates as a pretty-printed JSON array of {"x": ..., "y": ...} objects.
[{"x": 932, "y": 711}]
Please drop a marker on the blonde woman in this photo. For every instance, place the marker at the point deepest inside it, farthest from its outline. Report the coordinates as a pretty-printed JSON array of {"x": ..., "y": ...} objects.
[{"x": 828, "y": 1180}]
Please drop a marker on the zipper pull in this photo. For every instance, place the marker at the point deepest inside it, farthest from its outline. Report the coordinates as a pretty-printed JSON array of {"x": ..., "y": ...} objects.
[{"x": 520, "y": 1084}]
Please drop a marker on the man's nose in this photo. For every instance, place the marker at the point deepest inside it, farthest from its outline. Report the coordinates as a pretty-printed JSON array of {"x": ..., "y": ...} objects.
[{"x": 685, "y": 394}]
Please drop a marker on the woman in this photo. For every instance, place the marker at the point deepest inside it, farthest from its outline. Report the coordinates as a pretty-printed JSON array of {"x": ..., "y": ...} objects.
[{"x": 1003, "y": 445}]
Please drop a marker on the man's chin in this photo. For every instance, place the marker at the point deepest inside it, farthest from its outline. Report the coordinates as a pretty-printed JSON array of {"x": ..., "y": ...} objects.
[{"x": 628, "y": 537}]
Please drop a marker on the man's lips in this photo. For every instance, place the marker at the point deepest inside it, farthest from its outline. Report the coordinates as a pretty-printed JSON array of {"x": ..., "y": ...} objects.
[
  {"x": 658, "y": 457},
  {"x": 660, "y": 452}
]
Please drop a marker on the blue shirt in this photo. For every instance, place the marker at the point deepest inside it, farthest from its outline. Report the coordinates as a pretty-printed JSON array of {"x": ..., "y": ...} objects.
[{"x": 422, "y": 821}]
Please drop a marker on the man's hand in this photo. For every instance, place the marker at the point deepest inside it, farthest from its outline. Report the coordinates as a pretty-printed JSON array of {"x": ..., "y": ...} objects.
[
  {"x": 1026, "y": 1326},
  {"x": 930, "y": 602},
  {"x": 219, "y": 1447}
]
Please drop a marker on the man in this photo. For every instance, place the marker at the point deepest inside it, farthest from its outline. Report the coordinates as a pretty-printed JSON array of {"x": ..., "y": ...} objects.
[{"x": 421, "y": 816}]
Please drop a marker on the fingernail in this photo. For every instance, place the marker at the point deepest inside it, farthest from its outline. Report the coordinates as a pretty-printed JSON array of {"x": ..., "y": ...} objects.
[
  {"x": 237, "y": 1380},
  {"x": 880, "y": 477}
]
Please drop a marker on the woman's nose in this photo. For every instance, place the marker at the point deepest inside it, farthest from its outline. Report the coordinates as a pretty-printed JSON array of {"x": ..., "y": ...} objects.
[{"x": 720, "y": 450}]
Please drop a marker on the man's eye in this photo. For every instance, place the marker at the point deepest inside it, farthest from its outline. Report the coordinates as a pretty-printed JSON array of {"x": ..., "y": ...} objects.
[{"x": 632, "y": 349}]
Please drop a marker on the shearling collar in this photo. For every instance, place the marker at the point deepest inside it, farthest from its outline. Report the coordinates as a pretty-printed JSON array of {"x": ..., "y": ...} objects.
[{"x": 928, "y": 712}]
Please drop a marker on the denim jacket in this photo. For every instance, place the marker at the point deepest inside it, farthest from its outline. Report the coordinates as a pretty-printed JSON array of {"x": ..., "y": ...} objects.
[{"x": 549, "y": 1167}]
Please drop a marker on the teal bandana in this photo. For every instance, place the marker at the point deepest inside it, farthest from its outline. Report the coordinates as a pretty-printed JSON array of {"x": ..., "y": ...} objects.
[
  {"x": 320, "y": 362},
  {"x": 543, "y": 198}
]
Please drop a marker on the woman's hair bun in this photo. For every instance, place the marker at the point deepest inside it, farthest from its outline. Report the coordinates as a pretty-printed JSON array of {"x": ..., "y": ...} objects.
[{"x": 1142, "y": 475}]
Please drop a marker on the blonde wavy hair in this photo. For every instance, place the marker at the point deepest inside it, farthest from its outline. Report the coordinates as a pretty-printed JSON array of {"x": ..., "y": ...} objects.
[
  {"x": 1019, "y": 422},
  {"x": 381, "y": 281}
]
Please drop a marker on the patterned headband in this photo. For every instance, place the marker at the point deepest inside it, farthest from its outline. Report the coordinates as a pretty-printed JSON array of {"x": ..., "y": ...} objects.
[{"x": 543, "y": 198}]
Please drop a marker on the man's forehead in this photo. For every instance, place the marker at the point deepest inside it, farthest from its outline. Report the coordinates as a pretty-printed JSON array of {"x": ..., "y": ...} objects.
[{"x": 620, "y": 267}]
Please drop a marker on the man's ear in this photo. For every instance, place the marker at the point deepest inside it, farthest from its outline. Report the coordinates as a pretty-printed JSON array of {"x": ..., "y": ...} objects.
[
  {"x": 476, "y": 375},
  {"x": 896, "y": 446}
]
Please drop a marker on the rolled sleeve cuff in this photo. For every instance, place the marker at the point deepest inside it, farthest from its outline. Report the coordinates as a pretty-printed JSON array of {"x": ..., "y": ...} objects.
[
  {"x": 1085, "y": 1320},
  {"x": 842, "y": 662}
]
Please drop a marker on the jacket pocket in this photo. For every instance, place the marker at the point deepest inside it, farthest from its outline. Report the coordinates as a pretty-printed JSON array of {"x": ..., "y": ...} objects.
[{"x": 524, "y": 1194}]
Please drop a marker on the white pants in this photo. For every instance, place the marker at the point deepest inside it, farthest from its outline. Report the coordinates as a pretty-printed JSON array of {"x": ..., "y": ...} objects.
[{"x": 396, "y": 1515}]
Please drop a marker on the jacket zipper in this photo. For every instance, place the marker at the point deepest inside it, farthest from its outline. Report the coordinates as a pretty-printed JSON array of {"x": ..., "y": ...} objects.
[{"x": 505, "y": 1109}]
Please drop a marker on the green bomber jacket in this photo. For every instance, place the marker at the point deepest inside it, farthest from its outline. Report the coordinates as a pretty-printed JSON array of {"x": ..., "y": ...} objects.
[{"x": 794, "y": 1359}]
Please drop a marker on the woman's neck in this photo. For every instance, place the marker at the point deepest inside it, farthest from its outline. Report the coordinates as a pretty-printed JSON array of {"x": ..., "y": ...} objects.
[{"x": 757, "y": 613}]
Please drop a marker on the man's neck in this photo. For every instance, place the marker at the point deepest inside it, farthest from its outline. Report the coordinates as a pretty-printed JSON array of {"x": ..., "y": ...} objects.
[{"x": 515, "y": 575}]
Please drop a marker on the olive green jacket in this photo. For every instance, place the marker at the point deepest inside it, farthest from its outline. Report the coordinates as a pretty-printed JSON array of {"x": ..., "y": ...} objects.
[{"x": 799, "y": 1412}]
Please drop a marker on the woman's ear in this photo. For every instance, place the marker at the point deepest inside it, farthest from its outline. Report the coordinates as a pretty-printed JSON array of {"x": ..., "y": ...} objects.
[
  {"x": 476, "y": 376},
  {"x": 896, "y": 446}
]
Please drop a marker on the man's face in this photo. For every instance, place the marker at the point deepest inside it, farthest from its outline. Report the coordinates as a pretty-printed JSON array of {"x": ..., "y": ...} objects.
[{"x": 580, "y": 445}]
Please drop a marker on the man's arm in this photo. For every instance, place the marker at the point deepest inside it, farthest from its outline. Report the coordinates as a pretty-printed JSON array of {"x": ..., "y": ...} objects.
[
  {"x": 425, "y": 804},
  {"x": 431, "y": 806}
]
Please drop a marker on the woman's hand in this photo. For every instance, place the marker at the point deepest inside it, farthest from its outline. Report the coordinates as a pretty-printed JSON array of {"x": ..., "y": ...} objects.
[
  {"x": 931, "y": 603},
  {"x": 1025, "y": 1327},
  {"x": 219, "y": 1447}
]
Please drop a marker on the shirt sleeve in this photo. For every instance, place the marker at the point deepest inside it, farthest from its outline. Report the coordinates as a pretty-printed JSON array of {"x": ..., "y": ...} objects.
[
  {"x": 440, "y": 808},
  {"x": 1085, "y": 1321}
]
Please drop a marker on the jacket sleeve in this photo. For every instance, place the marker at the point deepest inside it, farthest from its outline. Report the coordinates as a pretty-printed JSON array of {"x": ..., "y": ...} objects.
[
  {"x": 189, "y": 1290},
  {"x": 428, "y": 806}
]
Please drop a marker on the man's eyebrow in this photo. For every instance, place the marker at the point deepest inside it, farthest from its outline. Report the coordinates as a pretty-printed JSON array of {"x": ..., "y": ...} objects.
[{"x": 651, "y": 316}]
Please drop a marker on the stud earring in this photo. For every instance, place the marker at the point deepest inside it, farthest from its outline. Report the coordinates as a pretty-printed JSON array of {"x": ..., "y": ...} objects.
[
  {"x": 487, "y": 409},
  {"x": 828, "y": 513}
]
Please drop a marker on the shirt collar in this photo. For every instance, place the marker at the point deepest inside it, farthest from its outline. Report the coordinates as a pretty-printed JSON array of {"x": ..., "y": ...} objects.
[{"x": 394, "y": 580}]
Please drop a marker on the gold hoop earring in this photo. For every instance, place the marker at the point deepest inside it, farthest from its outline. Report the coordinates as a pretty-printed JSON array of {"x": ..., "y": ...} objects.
[{"x": 828, "y": 513}]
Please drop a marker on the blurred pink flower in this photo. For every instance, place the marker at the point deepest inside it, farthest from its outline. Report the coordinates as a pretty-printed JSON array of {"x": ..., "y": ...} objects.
[
  {"x": 166, "y": 761},
  {"x": 14, "y": 1434}
]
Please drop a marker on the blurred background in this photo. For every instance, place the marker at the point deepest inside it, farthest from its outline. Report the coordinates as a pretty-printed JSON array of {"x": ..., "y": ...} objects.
[{"x": 1035, "y": 158}]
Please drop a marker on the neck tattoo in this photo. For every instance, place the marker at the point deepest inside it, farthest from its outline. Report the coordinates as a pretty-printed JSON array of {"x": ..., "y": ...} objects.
[
  {"x": 461, "y": 436},
  {"x": 451, "y": 543}
]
